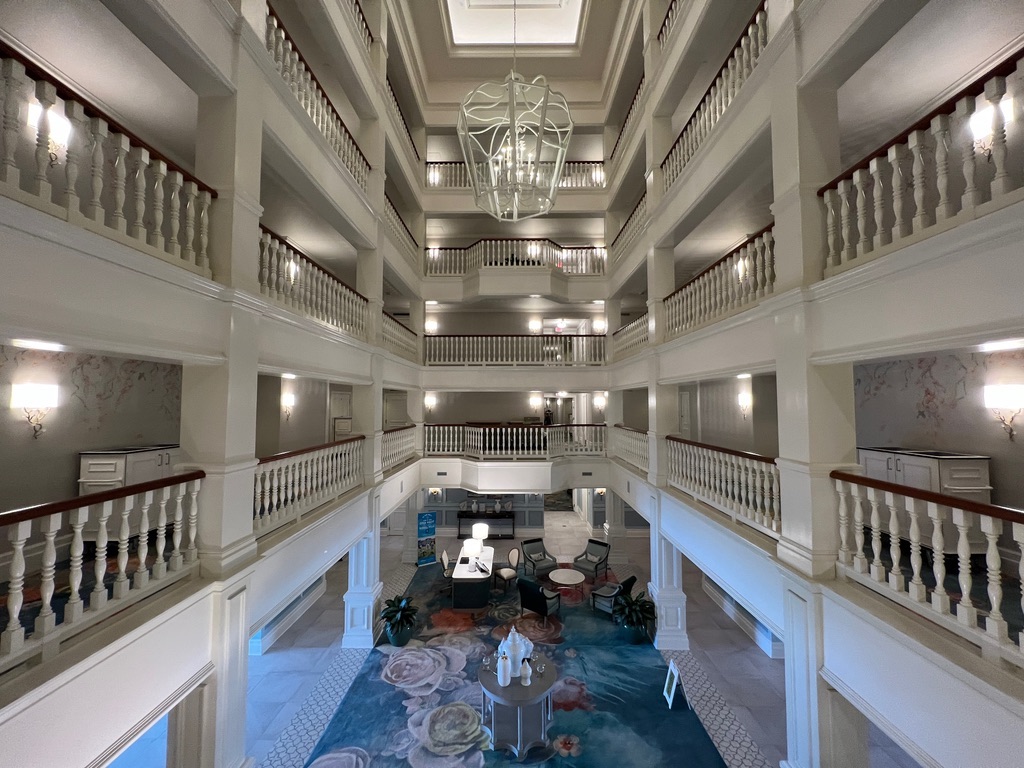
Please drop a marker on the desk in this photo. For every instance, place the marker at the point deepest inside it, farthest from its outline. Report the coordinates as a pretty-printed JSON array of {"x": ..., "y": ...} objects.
[
  {"x": 471, "y": 587},
  {"x": 517, "y": 716},
  {"x": 489, "y": 518}
]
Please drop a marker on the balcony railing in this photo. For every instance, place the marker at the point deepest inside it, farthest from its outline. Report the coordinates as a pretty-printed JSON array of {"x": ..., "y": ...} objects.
[
  {"x": 401, "y": 231},
  {"x": 732, "y": 283},
  {"x": 630, "y": 445},
  {"x": 631, "y": 115},
  {"x": 971, "y": 596},
  {"x": 400, "y": 339},
  {"x": 287, "y": 485},
  {"x": 743, "y": 485},
  {"x": 514, "y": 254},
  {"x": 66, "y": 157},
  {"x": 514, "y": 441},
  {"x": 718, "y": 97},
  {"x": 669, "y": 23},
  {"x": 67, "y": 593},
  {"x": 575, "y": 175},
  {"x": 393, "y": 100},
  {"x": 355, "y": 10},
  {"x": 291, "y": 278},
  {"x": 515, "y": 350},
  {"x": 938, "y": 173},
  {"x": 631, "y": 338},
  {"x": 298, "y": 75},
  {"x": 635, "y": 222},
  {"x": 398, "y": 446}
]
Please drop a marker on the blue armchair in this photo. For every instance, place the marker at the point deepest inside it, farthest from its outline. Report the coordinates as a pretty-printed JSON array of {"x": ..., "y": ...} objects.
[
  {"x": 536, "y": 559},
  {"x": 593, "y": 560}
]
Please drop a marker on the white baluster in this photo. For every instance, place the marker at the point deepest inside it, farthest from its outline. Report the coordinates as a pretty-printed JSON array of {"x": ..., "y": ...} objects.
[
  {"x": 940, "y": 598},
  {"x": 915, "y": 509},
  {"x": 833, "y": 229},
  {"x": 12, "y": 639},
  {"x": 174, "y": 182},
  {"x": 918, "y": 143},
  {"x": 122, "y": 509},
  {"x": 139, "y": 159},
  {"x": 860, "y": 561},
  {"x": 176, "y": 555},
  {"x": 995, "y": 624},
  {"x": 896, "y": 579},
  {"x": 98, "y": 596},
  {"x": 203, "y": 204},
  {"x": 901, "y": 227},
  {"x": 158, "y": 170},
  {"x": 188, "y": 234},
  {"x": 74, "y": 113},
  {"x": 141, "y": 577},
  {"x": 972, "y": 195},
  {"x": 1002, "y": 183},
  {"x": 46, "y": 95},
  {"x": 99, "y": 133},
  {"x": 119, "y": 146},
  {"x": 940, "y": 135},
  {"x": 848, "y": 220},
  {"x": 49, "y": 527},
  {"x": 865, "y": 217},
  {"x": 77, "y": 519},
  {"x": 15, "y": 82},
  {"x": 843, "y": 498},
  {"x": 882, "y": 234},
  {"x": 966, "y": 613},
  {"x": 159, "y": 569}
]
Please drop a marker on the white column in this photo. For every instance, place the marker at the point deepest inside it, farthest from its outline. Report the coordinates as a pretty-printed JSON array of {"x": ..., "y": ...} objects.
[
  {"x": 364, "y": 584},
  {"x": 615, "y": 528},
  {"x": 370, "y": 283},
  {"x": 207, "y": 729},
  {"x": 823, "y": 730},
  {"x": 368, "y": 419},
  {"x": 662, "y": 420},
  {"x": 661, "y": 278},
  {"x": 666, "y": 589},
  {"x": 413, "y": 505}
]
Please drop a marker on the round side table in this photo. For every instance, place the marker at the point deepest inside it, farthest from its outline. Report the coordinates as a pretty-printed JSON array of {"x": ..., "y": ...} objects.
[{"x": 517, "y": 716}]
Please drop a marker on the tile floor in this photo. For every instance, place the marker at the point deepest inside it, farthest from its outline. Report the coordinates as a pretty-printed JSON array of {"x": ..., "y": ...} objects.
[{"x": 294, "y": 687}]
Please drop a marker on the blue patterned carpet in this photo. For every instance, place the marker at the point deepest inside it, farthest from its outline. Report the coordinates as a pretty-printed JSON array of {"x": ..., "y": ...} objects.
[{"x": 419, "y": 707}]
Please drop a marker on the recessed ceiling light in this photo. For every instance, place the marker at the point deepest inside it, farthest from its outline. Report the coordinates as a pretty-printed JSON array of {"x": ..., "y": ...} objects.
[
  {"x": 287, "y": 375},
  {"x": 1002, "y": 345},
  {"x": 45, "y": 346},
  {"x": 431, "y": 302},
  {"x": 534, "y": 295},
  {"x": 743, "y": 376},
  {"x": 599, "y": 301}
]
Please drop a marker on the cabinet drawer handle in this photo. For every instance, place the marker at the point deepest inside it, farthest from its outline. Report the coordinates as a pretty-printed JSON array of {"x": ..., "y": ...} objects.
[
  {"x": 897, "y": 463},
  {"x": 160, "y": 460},
  {"x": 888, "y": 462}
]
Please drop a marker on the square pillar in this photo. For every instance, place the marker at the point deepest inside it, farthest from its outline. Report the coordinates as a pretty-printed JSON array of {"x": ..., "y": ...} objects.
[
  {"x": 666, "y": 589},
  {"x": 364, "y": 584}
]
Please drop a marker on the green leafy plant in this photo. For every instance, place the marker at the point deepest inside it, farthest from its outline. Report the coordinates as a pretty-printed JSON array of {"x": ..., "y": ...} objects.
[
  {"x": 635, "y": 612},
  {"x": 399, "y": 614}
]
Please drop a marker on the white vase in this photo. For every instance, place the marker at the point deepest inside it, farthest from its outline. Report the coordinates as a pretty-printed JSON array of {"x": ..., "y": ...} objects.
[
  {"x": 526, "y": 672},
  {"x": 504, "y": 670},
  {"x": 518, "y": 648}
]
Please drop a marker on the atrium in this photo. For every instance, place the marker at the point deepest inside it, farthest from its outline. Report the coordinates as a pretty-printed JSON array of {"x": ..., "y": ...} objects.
[{"x": 767, "y": 344}]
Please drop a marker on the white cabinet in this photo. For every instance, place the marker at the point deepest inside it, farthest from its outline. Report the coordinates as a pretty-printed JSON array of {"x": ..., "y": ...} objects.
[
  {"x": 963, "y": 475},
  {"x": 118, "y": 467}
]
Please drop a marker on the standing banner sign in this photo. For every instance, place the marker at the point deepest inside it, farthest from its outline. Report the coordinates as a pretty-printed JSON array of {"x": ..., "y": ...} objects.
[{"x": 426, "y": 544}]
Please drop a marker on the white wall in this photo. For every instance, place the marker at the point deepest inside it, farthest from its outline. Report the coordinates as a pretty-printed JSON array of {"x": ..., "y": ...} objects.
[
  {"x": 634, "y": 409},
  {"x": 305, "y": 427},
  {"x": 461, "y": 407}
]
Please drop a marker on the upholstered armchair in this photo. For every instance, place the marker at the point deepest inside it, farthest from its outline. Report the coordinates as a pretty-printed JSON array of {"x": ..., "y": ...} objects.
[
  {"x": 533, "y": 597},
  {"x": 604, "y": 598},
  {"x": 593, "y": 560},
  {"x": 536, "y": 559}
]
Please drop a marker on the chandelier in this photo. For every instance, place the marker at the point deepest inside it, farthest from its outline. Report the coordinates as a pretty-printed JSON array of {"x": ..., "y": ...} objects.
[{"x": 514, "y": 136}]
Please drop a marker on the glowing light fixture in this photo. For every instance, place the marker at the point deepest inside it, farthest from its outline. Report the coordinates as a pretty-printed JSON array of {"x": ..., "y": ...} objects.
[
  {"x": 536, "y": 326},
  {"x": 600, "y": 402},
  {"x": 1005, "y": 397},
  {"x": 429, "y": 401},
  {"x": 58, "y": 128},
  {"x": 36, "y": 400},
  {"x": 536, "y": 401},
  {"x": 744, "y": 400},
  {"x": 430, "y": 326},
  {"x": 600, "y": 325},
  {"x": 1002, "y": 345},
  {"x": 742, "y": 375},
  {"x": 287, "y": 375},
  {"x": 514, "y": 136},
  {"x": 44, "y": 346},
  {"x": 287, "y": 403}
]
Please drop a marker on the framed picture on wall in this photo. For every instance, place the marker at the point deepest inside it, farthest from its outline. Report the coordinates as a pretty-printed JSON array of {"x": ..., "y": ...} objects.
[{"x": 342, "y": 428}]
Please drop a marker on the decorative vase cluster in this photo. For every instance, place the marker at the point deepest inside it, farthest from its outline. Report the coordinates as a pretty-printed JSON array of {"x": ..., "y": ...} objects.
[{"x": 515, "y": 651}]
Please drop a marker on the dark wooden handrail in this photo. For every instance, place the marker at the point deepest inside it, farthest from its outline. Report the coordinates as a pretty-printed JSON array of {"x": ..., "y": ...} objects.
[
  {"x": 634, "y": 320},
  {"x": 313, "y": 263},
  {"x": 1004, "y": 69},
  {"x": 300, "y": 451},
  {"x": 53, "y": 507},
  {"x": 399, "y": 429},
  {"x": 717, "y": 72},
  {"x": 632, "y": 103},
  {"x": 990, "y": 510},
  {"x": 733, "y": 252},
  {"x": 402, "y": 220},
  {"x": 499, "y": 426},
  {"x": 622, "y": 229},
  {"x": 566, "y": 162},
  {"x": 516, "y": 335},
  {"x": 631, "y": 429},
  {"x": 66, "y": 92},
  {"x": 312, "y": 75},
  {"x": 401, "y": 115},
  {"x": 742, "y": 454}
]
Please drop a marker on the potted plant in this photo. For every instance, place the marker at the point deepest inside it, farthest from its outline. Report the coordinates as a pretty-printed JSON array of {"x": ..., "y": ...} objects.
[
  {"x": 399, "y": 617},
  {"x": 635, "y": 613}
]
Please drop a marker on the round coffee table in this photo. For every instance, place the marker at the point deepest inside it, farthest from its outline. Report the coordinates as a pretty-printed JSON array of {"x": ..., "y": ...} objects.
[{"x": 566, "y": 577}]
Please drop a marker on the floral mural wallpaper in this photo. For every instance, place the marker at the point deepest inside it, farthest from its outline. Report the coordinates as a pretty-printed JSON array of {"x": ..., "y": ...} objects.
[
  {"x": 420, "y": 706},
  {"x": 104, "y": 402},
  {"x": 937, "y": 402}
]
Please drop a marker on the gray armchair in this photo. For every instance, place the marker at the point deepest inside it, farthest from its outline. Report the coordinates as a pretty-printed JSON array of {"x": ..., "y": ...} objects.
[
  {"x": 594, "y": 559},
  {"x": 603, "y": 599},
  {"x": 536, "y": 559},
  {"x": 533, "y": 597}
]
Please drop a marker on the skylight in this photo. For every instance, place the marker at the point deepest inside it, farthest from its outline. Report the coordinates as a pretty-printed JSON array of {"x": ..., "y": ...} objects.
[{"x": 538, "y": 22}]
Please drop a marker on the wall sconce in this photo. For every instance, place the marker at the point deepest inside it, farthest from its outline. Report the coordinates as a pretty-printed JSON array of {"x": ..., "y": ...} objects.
[
  {"x": 36, "y": 400},
  {"x": 435, "y": 493},
  {"x": 561, "y": 395},
  {"x": 1005, "y": 397},
  {"x": 536, "y": 401},
  {"x": 429, "y": 401},
  {"x": 600, "y": 402},
  {"x": 744, "y": 400},
  {"x": 58, "y": 127},
  {"x": 600, "y": 491},
  {"x": 430, "y": 326},
  {"x": 535, "y": 326},
  {"x": 600, "y": 325},
  {"x": 287, "y": 403},
  {"x": 981, "y": 125}
]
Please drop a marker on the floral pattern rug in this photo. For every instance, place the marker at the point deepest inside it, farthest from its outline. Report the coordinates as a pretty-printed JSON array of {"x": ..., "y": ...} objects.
[{"x": 419, "y": 706}]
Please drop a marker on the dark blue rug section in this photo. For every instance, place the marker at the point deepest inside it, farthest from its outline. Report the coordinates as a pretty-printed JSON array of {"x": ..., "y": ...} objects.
[{"x": 419, "y": 706}]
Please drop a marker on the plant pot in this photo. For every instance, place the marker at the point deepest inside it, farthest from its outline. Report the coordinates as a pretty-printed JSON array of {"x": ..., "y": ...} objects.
[
  {"x": 401, "y": 637},
  {"x": 636, "y": 635}
]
